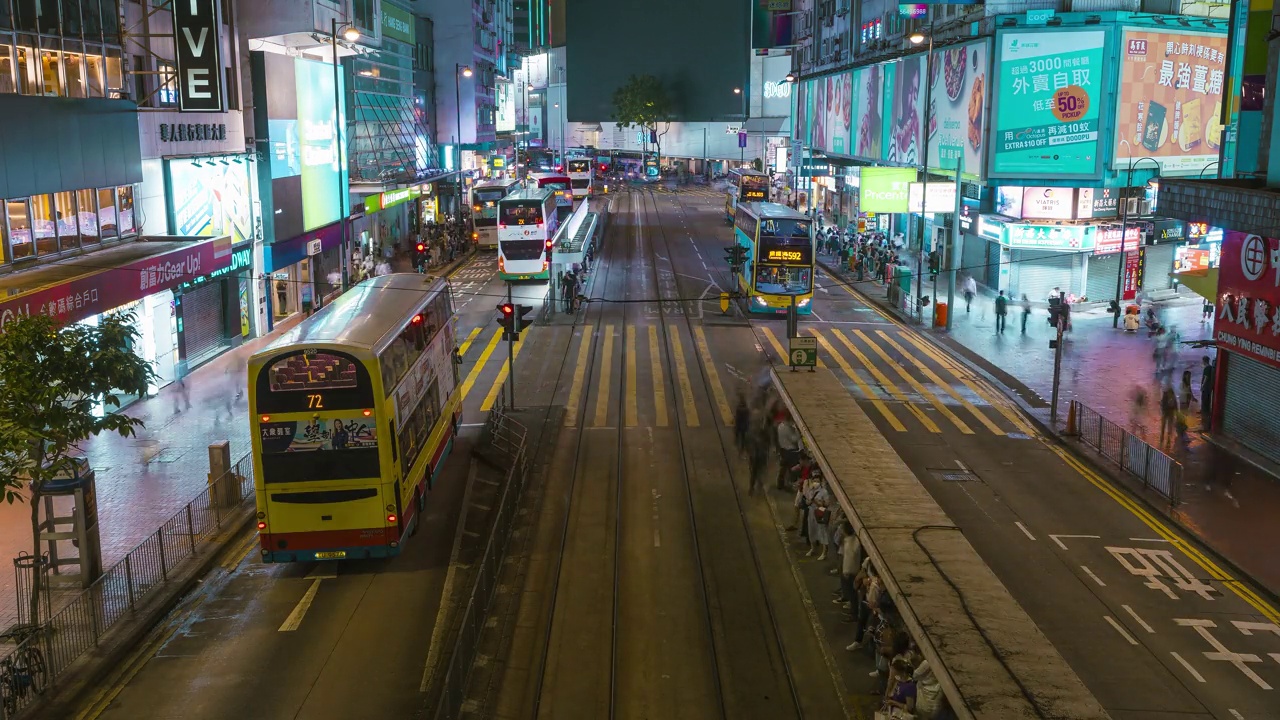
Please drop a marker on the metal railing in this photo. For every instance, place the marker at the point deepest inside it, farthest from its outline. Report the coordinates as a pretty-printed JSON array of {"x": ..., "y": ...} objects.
[
  {"x": 508, "y": 438},
  {"x": 79, "y": 625},
  {"x": 1153, "y": 467}
]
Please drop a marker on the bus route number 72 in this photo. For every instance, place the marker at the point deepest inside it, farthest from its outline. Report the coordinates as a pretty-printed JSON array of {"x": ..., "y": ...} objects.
[{"x": 315, "y": 402}]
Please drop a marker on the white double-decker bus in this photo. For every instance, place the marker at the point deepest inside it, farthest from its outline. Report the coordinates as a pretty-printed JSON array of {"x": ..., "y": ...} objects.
[
  {"x": 484, "y": 209},
  {"x": 527, "y": 224},
  {"x": 582, "y": 175}
]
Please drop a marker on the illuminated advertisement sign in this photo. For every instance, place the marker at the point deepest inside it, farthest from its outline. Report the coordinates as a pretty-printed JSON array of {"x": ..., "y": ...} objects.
[
  {"x": 210, "y": 199},
  {"x": 1047, "y": 106},
  {"x": 957, "y": 118},
  {"x": 1048, "y": 203},
  {"x": 1048, "y": 237},
  {"x": 885, "y": 190},
  {"x": 1170, "y": 99},
  {"x": 868, "y": 90},
  {"x": 904, "y": 95},
  {"x": 198, "y": 57},
  {"x": 830, "y": 113},
  {"x": 941, "y": 197}
]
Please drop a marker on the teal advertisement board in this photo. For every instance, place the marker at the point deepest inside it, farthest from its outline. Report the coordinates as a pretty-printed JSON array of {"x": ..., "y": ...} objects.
[
  {"x": 1048, "y": 104},
  {"x": 322, "y": 168},
  {"x": 868, "y": 91}
]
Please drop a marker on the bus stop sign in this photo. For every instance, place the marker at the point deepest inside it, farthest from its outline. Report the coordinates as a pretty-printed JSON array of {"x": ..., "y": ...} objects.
[{"x": 804, "y": 352}]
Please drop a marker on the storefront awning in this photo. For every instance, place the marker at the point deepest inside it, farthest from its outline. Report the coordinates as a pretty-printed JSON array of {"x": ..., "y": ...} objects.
[
  {"x": 1201, "y": 282},
  {"x": 87, "y": 285}
]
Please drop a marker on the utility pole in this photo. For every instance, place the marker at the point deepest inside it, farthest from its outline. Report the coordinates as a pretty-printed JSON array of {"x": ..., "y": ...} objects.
[
  {"x": 1058, "y": 314},
  {"x": 511, "y": 353},
  {"x": 955, "y": 247}
]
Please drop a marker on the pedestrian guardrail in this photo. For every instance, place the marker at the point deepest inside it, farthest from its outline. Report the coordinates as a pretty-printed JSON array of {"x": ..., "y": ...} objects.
[
  {"x": 45, "y": 652},
  {"x": 1153, "y": 467},
  {"x": 507, "y": 437}
]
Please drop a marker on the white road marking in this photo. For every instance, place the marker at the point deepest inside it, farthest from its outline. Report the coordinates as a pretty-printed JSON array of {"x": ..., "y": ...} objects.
[
  {"x": 657, "y": 535},
  {"x": 1063, "y": 546},
  {"x": 1235, "y": 713},
  {"x": 1119, "y": 629},
  {"x": 1139, "y": 620},
  {"x": 1147, "y": 540},
  {"x": 1187, "y": 665},
  {"x": 294, "y": 620},
  {"x": 961, "y": 466},
  {"x": 1096, "y": 579},
  {"x": 1024, "y": 530}
]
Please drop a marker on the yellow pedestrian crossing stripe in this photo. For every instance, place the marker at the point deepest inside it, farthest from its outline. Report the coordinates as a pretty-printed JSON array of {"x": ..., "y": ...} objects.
[
  {"x": 876, "y": 402},
  {"x": 659, "y": 386}
]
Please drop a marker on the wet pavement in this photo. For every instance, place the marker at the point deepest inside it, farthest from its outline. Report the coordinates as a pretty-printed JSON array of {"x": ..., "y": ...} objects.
[{"x": 1226, "y": 501}]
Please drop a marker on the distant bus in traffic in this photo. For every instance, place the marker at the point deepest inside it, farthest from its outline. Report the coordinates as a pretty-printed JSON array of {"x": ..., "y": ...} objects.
[
  {"x": 352, "y": 414},
  {"x": 527, "y": 223},
  {"x": 484, "y": 209},
  {"x": 780, "y": 257},
  {"x": 561, "y": 183},
  {"x": 582, "y": 174},
  {"x": 744, "y": 186}
]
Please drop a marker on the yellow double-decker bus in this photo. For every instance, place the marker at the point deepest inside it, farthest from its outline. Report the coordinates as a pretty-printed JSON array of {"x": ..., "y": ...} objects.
[{"x": 353, "y": 414}]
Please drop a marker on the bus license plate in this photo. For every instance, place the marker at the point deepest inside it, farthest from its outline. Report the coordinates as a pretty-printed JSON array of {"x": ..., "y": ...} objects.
[{"x": 331, "y": 555}]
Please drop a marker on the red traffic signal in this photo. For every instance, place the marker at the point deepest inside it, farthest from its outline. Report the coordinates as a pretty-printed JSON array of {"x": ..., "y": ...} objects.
[
  {"x": 506, "y": 309},
  {"x": 422, "y": 247}
]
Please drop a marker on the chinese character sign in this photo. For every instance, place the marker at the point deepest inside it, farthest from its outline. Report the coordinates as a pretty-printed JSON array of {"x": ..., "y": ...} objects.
[
  {"x": 1047, "y": 109},
  {"x": 1248, "y": 308},
  {"x": 957, "y": 118},
  {"x": 1170, "y": 99}
]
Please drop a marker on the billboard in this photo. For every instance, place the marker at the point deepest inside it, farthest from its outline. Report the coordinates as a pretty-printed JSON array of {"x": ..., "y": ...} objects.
[
  {"x": 831, "y": 113},
  {"x": 196, "y": 27},
  {"x": 868, "y": 88},
  {"x": 1248, "y": 309},
  {"x": 1048, "y": 102},
  {"x": 1170, "y": 99},
  {"x": 210, "y": 199},
  {"x": 905, "y": 97},
  {"x": 884, "y": 189},
  {"x": 776, "y": 92},
  {"x": 957, "y": 116}
]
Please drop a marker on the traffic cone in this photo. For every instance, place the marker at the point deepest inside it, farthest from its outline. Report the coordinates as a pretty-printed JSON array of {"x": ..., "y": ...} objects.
[{"x": 1071, "y": 418}]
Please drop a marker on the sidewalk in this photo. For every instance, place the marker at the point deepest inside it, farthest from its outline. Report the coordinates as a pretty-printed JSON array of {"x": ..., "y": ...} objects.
[
  {"x": 1227, "y": 502},
  {"x": 142, "y": 481}
]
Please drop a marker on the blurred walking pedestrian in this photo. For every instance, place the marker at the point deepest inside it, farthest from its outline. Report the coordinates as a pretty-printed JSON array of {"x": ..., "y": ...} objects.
[
  {"x": 1168, "y": 414},
  {"x": 741, "y": 423},
  {"x": 969, "y": 287},
  {"x": 1002, "y": 310},
  {"x": 757, "y": 441},
  {"x": 1026, "y": 312},
  {"x": 788, "y": 439}
]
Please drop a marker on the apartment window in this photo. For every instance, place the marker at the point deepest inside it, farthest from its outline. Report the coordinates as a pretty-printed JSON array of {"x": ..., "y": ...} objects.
[
  {"x": 19, "y": 230},
  {"x": 64, "y": 213},
  {"x": 167, "y": 96},
  {"x": 87, "y": 215},
  {"x": 42, "y": 224},
  {"x": 7, "y": 80},
  {"x": 107, "y": 225},
  {"x": 362, "y": 14}
]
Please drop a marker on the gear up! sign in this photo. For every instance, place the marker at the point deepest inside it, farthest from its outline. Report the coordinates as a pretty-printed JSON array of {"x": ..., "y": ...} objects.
[
  {"x": 1248, "y": 308},
  {"x": 199, "y": 57}
]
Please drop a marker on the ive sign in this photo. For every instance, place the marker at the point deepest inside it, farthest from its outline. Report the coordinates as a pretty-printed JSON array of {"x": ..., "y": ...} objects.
[{"x": 195, "y": 29}]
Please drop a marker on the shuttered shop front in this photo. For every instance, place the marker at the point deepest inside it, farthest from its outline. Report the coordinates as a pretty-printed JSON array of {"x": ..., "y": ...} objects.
[
  {"x": 202, "y": 332},
  {"x": 1249, "y": 411},
  {"x": 1156, "y": 266},
  {"x": 1100, "y": 284},
  {"x": 1039, "y": 272}
]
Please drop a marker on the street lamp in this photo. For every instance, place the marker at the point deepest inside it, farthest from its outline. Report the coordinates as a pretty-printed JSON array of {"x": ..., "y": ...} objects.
[
  {"x": 460, "y": 71},
  {"x": 1124, "y": 230},
  {"x": 742, "y": 149},
  {"x": 916, "y": 38},
  {"x": 350, "y": 34},
  {"x": 563, "y": 143},
  {"x": 791, "y": 77}
]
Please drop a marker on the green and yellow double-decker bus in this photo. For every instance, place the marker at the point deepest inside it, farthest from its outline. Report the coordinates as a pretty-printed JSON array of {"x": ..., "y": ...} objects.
[
  {"x": 780, "y": 259},
  {"x": 353, "y": 413}
]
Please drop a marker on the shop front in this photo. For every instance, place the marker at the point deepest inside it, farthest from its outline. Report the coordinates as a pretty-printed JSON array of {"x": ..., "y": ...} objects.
[
  {"x": 215, "y": 310},
  {"x": 138, "y": 277},
  {"x": 1247, "y": 383},
  {"x": 301, "y": 274},
  {"x": 389, "y": 224},
  {"x": 1107, "y": 262}
]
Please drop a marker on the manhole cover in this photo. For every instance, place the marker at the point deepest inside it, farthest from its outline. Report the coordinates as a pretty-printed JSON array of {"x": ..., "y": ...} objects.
[{"x": 954, "y": 475}]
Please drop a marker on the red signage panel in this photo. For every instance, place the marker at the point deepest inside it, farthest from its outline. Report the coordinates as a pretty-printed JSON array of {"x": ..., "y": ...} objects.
[
  {"x": 1248, "y": 308},
  {"x": 89, "y": 295},
  {"x": 1133, "y": 266}
]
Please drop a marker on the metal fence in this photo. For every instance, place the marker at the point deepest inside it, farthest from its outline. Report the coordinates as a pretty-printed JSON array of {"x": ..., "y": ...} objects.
[
  {"x": 80, "y": 624},
  {"x": 506, "y": 437},
  {"x": 1154, "y": 468}
]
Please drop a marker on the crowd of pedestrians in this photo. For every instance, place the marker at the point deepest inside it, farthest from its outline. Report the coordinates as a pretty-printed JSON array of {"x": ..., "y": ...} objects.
[{"x": 906, "y": 684}]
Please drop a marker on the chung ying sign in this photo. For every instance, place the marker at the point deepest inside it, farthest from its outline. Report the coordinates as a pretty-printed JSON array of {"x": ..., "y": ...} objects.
[
  {"x": 1248, "y": 308},
  {"x": 199, "y": 57}
]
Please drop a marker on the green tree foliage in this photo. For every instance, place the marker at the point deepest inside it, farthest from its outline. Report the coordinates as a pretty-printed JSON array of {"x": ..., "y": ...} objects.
[
  {"x": 644, "y": 103},
  {"x": 52, "y": 378}
]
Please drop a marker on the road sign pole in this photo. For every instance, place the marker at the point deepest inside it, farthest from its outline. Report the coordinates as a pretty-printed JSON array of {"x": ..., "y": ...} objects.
[
  {"x": 1057, "y": 374},
  {"x": 511, "y": 353}
]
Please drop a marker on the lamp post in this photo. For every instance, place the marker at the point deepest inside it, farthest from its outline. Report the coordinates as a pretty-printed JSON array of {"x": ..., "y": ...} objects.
[
  {"x": 350, "y": 34},
  {"x": 459, "y": 71},
  {"x": 917, "y": 38},
  {"x": 1124, "y": 231},
  {"x": 742, "y": 149}
]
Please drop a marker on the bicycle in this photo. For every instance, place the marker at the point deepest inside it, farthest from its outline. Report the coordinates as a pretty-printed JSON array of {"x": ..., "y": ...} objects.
[{"x": 23, "y": 670}]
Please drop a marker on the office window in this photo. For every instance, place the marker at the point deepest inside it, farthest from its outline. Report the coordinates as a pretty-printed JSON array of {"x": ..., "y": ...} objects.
[
  {"x": 115, "y": 75},
  {"x": 19, "y": 230},
  {"x": 7, "y": 82},
  {"x": 64, "y": 213},
  {"x": 167, "y": 96},
  {"x": 42, "y": 224},
  {"x": 126, "y": 210},
  {"x": 71, "y": 23},
  {"x": 93, "y": 71},
  {"x": 107, "y": 226},
  {"x": 26, "y": 67},
  {"x": 110, "y": 14},
  {"x": 51, "y": 70},
  {"x": 87, "y": 214},
  {"x": 6, "y": 21},
  {"x": 91, "y": 13},
  {"x": 141, "y": 95},
  {"x": 76, "y": 87},
  {"x": 362, "y": 14}
]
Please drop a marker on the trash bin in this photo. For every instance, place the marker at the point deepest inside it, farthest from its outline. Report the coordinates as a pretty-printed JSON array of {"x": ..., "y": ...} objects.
[{"x": 940, "y": 315}]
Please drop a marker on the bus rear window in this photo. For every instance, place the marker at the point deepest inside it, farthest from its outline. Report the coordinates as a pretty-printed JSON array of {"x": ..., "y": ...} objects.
[
  {"x": 313, "y": 380},
  {"x": 522, "y": 213}
]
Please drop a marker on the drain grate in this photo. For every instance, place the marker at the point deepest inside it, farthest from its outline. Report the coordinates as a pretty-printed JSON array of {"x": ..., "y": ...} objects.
[{"x": 953, "y": 475}]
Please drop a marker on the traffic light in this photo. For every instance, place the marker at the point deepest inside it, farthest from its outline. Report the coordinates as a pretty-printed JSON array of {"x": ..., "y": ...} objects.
[
  {"x": 512, "y": 319},
  {"x": 420, "y": 247},
  {"x": 736, "y": 256},
  {"x": 1058, "y": 309}
]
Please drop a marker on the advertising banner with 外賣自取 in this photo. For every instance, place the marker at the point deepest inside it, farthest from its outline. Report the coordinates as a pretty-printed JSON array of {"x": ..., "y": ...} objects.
[
  {"x": 1170, "y": 99},
  {"x": 904, "y": 96},
  {"x": 957, "y": 118},
  {"x": 1248, "y": 309},
  {"x": 1048, "y": 104},
  {"x": 210, "y": 199},
  {"x": 885, "y": 189}
]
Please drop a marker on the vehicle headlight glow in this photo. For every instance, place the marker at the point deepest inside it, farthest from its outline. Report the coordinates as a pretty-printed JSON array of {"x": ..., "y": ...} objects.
[
  {"x": 760, "y": 301},
  {"x": 804, "y": 302}
]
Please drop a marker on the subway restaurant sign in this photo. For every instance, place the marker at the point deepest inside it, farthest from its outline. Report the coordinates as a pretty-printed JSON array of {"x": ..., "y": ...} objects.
[{"x": 382, "y": 201}]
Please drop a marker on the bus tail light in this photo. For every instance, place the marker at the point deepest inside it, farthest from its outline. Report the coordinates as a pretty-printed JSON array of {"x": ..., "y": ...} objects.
[
  {"x": 475, "y": 236},
  {"x": 367, "y": 413},
  {"x": 262, "y": 525},
  {"x": 502, "y": 264},
  {"x": 391, "y": 518},
  {"x": 266, "y": 418}
]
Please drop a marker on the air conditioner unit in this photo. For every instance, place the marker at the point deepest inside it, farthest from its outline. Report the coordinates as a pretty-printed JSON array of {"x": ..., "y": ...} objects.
[{"x": 1138, "y": 206}]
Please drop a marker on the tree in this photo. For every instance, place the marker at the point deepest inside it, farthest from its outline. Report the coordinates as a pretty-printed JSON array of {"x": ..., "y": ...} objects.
[
  {"x": 757, "y": 164},
  {"x": 52, "y": 377},
  {"x": 644, "y": 103}
]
